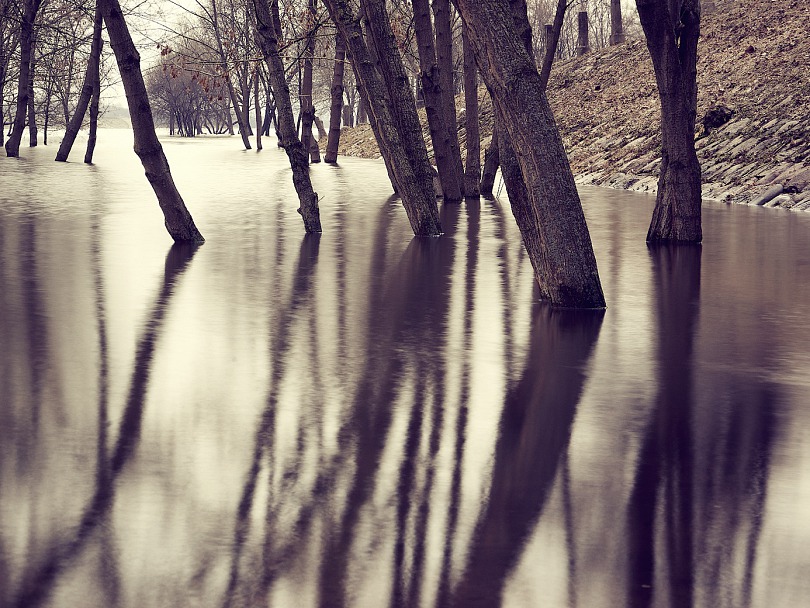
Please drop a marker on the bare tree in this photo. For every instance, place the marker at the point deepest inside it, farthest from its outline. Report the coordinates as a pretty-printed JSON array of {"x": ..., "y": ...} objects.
[
  {"x": 336, "y": 108},
  {"x": 29, "y": 15}
]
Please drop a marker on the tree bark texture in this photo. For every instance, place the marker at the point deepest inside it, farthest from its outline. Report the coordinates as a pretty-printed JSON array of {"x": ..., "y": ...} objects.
[
  {"x": 178, "y": 220},
  {"x": 91, "y": 74},
  {"x": 472, "y": 167},
  {"x": 672, "y": 39},
  {"x": 431, "y": 81},
  {"x": 407, "y": 170},
  {"x": 267, "y": 38},
  {"x": 336, "y": 109},
  {"x": 26, "y": 43},
  {"x": 565, "y": 261},
  {"x": 444, "y": 58}
]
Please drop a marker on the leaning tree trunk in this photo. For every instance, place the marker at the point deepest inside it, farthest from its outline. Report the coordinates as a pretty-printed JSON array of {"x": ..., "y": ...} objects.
[
  {"x": 336, "y": 109},
  {"x": 431, "y": 81},
  {"x": 266, "y": 36},
  {"x": 91, "y": 75},
  {"x": 406, "y": 169},
  {"x": 472, "y": 168},
  {"x": 178, "y": 220},
  {"x": 26, "y": 43},
  {"x": 677, "y": 214},
  {"x": 566, "y": 267}
]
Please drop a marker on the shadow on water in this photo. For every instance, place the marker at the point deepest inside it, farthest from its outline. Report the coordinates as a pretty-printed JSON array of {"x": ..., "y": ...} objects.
[
  {"x": 535, "y": 429},
  {"x": 39, "y": 580},
  {"x": 695, "y": 511}
]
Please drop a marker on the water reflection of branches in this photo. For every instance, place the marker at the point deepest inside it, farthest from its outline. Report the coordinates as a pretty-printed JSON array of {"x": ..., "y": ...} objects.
[{"x": 38, "y": 582}]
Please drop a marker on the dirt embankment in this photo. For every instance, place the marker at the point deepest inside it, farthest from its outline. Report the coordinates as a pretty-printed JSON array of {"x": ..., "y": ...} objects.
[{"x": 753, "y": 77}]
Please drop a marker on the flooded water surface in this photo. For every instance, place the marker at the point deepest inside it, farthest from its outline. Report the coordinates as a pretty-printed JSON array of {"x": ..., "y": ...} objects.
[{"x": 366, "y": 419}]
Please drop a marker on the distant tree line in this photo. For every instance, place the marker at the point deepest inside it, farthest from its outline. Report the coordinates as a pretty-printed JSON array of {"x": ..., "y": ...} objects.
[{"x": 276, "y": 62}]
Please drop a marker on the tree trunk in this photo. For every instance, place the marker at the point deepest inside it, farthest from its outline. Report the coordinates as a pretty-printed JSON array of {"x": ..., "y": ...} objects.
[
  {"x": 91, "y": 76},
  {"x": 410, "y": 171},
  {"x": 472, "y": 169},
  {"x": 583, "y": 45},
  {"x": 431, "y": 87},
  {"x": 267, "y": 39},
  {"x": 94, "y": 103},
  {"x": 26, "y": 43},
  {"x": 178, "y": 220},
  {"x": 677, "y": 214},
  {"x": 552, "y": 41},
  {"x": 444, "y": 59},
  {"x": 616, "y": 26},
  {"x": 564, "y": 259},
  {"x": 307, "y": 109},
  {"x": 336, "y": 108},
  {"x": 32, "y": 111},
  {"x": 491, "y": 162},
  {"x": 258, "y": 108}
]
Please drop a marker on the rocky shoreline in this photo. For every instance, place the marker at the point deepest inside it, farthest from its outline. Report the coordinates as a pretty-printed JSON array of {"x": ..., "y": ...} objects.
[{"x": 753, "y": 72}]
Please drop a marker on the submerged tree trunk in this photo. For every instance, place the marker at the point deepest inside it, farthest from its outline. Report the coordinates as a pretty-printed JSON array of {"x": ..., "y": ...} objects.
[
  {"x": 178, "y": 220},
  {"x": 431, "y": 87},
  {"x": 91, "y": 77},
  {"x": 564, "y": 260},
  {"x": 472, "y": 168},
  {"x": 410, "y": 176},
  {"x": 672, "y": 39},
  {"x": 492, "y": 159},
  {"x": 307, "y": 109},
  {"x": 336, "y": 108},
  {"x": 32, "y": 112},
  {"x": 94, "y": 103},
  {"x": 23, "y": 91},
  {"x": 267, "y": 39},
  {"x": 258, "y": 108}
]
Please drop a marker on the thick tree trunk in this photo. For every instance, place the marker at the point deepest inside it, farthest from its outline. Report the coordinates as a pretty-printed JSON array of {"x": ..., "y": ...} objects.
[
  {"x": 431, "y": 88},
  {"x": 472, "y": 168},
  {"x": 444, "y": 59},
  {"x": 336, "y": 108},
  {"x": 616, "y": 26},
  {"x": 492, "y": 160},
  {"x": 178, "y": 220},
  {"x": 26, "y": 42},
  {"x": 407, "y": 169},
  {"x": 564, "y": 258},
  {"x": 677, "y": 214},
  {"x": 288, "y": 137},
  {"x": 91, "y": 75}
]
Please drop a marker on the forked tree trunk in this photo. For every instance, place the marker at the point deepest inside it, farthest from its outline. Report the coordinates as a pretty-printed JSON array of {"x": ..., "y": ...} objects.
[
  {"x": 91, "y": 75},
  {"x": 26, "y": 42},
  {"x": 472, "y": 168},
  {"x": 336, "y": 109},
  {"x": 444, "y": 58},
  {"x": 178, "y": 220},
  {"x": 431, "y": 88},
  {"x": 267, "y": 39},
  {"x": 405, "y": 169},
  {"x": 565, "y": 262},
  {"x": 677, "y": 214}
]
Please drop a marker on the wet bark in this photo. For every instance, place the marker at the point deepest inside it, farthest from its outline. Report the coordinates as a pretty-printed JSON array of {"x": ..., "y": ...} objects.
[
  {"x": 267, "y": 38},
  {"x": 410, "y": 173},
  {"x": 472, "y": 167},
  {"x": 26, "y": 44},
  {"x": 564, "y": 260},
  {"x": 178, "y": 220},
  {"x": 672, "y": 39},
  {"x": 91, "y": 76},
  {"x": 431, "y": 87},
  {"x": 336, "y": 108}
]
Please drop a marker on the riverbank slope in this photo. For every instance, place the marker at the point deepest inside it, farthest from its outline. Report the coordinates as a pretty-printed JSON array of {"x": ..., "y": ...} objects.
[{"x": 753, "y": 76}]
